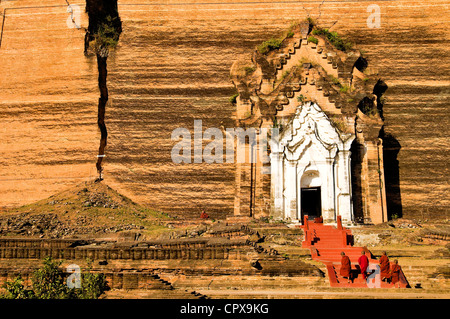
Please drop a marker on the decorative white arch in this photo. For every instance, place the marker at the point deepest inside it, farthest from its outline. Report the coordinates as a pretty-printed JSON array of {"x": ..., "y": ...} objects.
[
  {"x": 310, "y": 150},
  {"x": 310, "y": 178}
]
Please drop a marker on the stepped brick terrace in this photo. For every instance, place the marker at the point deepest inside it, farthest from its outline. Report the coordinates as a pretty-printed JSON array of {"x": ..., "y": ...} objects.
[{"x": 235, "y": 260}]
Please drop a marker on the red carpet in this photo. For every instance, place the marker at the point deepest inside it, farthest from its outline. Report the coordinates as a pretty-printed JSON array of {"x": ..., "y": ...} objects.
[{"x": 327, "y": 243}]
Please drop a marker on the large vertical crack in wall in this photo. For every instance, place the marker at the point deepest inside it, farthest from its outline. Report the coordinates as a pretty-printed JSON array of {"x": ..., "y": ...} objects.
[{"x": 102, "y": 35}]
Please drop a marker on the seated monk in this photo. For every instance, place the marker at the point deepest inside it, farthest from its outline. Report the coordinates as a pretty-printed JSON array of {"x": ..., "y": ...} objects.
[
  {"x": 204, "y": 215},
  {"x": 395, "y": 273},
  {"x": 384, "y": 266},
  {"x": 363, "y": 262},
  {"x": 345, "y": 267}
]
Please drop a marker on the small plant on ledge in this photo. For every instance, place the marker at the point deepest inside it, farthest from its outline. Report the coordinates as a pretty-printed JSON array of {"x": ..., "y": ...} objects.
[
  {"x": 301, "y": 98},
  {"x": 368, "y": 107},
  {"x": 233, "y": 98},
  {"x": 107, "y": 36},
  {"x": 311, "y": 21},
  {"x": 334, "y": 39},
  {"x": 313, "y": 40},
  {"x": 336, "y": 81},
  {"x": 269, "y": 45},
  {"x": 249, "y": 70},
  {"x": 290, "y": 34},
  {"x": 344, "y": 89}
]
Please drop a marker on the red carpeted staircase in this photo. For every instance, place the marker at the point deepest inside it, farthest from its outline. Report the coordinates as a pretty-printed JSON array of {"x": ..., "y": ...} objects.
[{"x": 327, "y": 243}]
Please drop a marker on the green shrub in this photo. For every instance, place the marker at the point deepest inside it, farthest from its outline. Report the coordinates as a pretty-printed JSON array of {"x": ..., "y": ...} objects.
[
  {"x": 344, "y": 89},
  {"x": 311, "y": 21},
  {"x": 313, "y": 40},
  {"x": 284, "y": 75},
  {"x": 249, "y": 70},
  {"x": 368, "y": 110},
  {"x": 92, "y": 286},
  {"x": 269, "y": 45},
  {"x": 107, "y": 36},
  {"x": 335, "y": 81},
  {"x": 16, "y": 290},
  {"x": 233, "y": 98},
  {"x": 334, "y": 39},
  {"x": 290, "y": 32},
  {"x": 48, "y": 282}
]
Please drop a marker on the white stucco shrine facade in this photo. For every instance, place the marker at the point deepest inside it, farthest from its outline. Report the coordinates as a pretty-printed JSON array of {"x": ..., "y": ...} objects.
[{"x": 310, "y": 168}]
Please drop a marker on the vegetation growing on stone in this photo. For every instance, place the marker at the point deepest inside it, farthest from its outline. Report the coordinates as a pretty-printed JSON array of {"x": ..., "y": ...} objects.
[
  {"x": 368, "y": 109},
  {"x": 313, "y": 40},
  {"x": 249, "y": 70},
  {"x": 16, "y": 290},
  {"x": 102, "y": 35},
  {"x": 107, "y": 36},
  {"x": 269, "y": 45},
  {"x": 335, "y": 81},
  {"x": 344, "y": 89},
  {"x": 334, "y": 39},
  {"x": 311, "y": 21},
  {"x": 233, "y": 98},
  {"x": 49, "y": 282},
  {"x": 290, "y": 34}
]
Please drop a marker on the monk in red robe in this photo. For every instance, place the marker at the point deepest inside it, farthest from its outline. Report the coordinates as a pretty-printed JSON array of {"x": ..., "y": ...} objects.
[
  {"x": 345, "y": 267},
  {"x": 395, "y": 273},
  {"x": 363, "y": 262},
  {"x": 384, "y": 266}
]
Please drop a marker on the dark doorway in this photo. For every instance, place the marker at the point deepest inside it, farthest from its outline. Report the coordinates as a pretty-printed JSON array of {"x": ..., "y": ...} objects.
[
  {"x": 357, "y": 198},
  {"x": 311, "y": 202},
  {"x": 391, "y": 148}
]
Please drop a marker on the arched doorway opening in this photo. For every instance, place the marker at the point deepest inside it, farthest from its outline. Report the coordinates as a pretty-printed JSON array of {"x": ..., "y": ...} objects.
[{"x": 310, "y": 195}]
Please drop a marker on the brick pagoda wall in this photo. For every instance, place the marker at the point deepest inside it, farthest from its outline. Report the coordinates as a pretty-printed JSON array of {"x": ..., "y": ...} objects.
[{"x": 172, "y": 66}]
